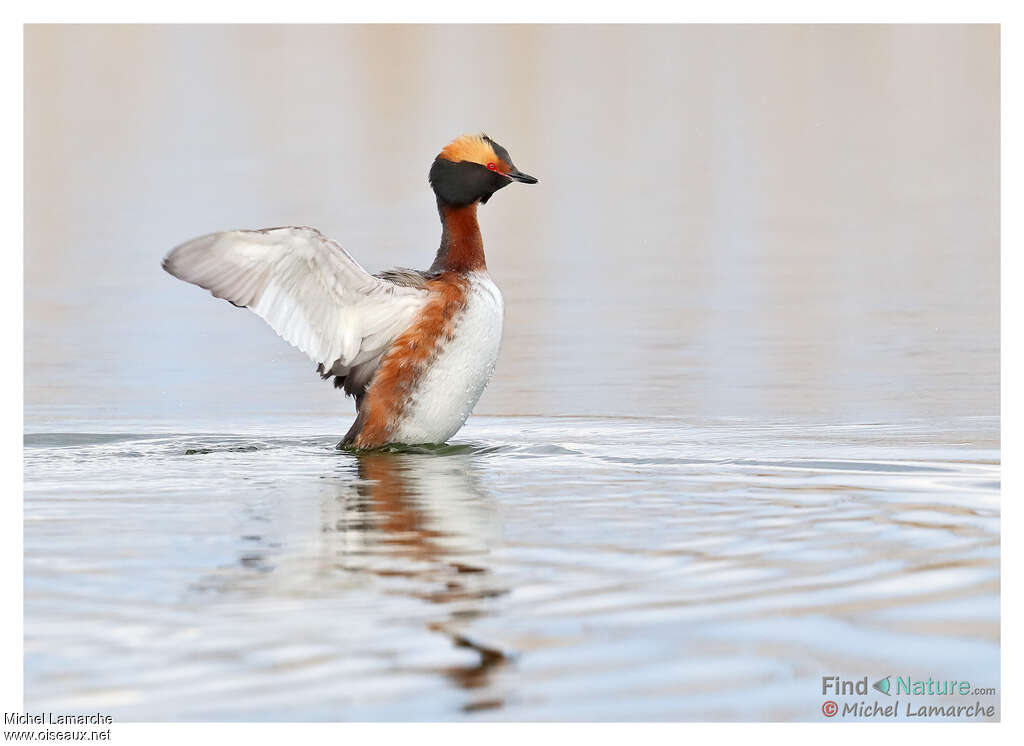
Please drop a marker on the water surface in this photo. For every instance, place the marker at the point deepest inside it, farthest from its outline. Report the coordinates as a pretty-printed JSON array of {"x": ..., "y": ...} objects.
[{"x": 542, "y": 568}]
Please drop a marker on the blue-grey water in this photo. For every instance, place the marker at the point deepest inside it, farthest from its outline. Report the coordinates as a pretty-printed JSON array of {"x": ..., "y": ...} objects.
[{"x": 743, "y": 433}]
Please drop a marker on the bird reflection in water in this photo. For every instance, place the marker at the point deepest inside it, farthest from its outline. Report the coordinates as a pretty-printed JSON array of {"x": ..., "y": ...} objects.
[
  {"x": 391, "y": 526},
  {"x": 423, "y": 518}
]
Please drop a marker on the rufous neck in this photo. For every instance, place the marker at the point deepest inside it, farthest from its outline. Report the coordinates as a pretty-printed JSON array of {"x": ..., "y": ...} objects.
[{"x": 462, "y": 246}]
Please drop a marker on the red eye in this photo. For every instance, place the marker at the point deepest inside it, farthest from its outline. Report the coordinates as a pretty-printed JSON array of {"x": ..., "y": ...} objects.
[{"x": 490, "y": 166}]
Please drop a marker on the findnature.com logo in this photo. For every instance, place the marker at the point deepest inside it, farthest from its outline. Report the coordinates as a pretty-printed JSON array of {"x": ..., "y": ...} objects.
[{"x": 895, "y": 686}]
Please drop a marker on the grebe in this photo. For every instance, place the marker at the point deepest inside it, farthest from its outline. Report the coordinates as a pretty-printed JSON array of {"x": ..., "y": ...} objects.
[{"x": 415, "y": 348}]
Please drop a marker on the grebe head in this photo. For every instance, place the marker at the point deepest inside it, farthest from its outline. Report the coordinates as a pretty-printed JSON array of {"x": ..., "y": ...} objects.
[{"x": 472, "y": 168}]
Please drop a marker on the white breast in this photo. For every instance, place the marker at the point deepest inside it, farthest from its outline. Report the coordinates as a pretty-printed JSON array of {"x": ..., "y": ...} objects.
[{"x": 449, "y": 389}]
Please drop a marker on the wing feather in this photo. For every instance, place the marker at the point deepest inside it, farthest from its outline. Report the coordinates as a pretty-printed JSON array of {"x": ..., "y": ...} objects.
[{"x": 305, "y": 286}]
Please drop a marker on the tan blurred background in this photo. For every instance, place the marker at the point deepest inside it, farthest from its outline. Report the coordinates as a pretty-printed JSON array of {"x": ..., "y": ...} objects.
[{"x": 755, "y": 221}]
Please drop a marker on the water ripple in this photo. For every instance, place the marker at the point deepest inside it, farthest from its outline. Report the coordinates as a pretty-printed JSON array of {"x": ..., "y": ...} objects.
[{"x": 623, "y": 568}]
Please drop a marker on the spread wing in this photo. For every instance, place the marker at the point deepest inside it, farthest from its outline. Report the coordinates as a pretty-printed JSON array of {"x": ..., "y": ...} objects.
[{"x": 308, "y": 288}]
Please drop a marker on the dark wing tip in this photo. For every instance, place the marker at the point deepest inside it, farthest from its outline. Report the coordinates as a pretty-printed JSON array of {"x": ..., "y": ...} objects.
[
  {"x": 170, "y": 266},
  {"x": 179, "y": 259}
]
